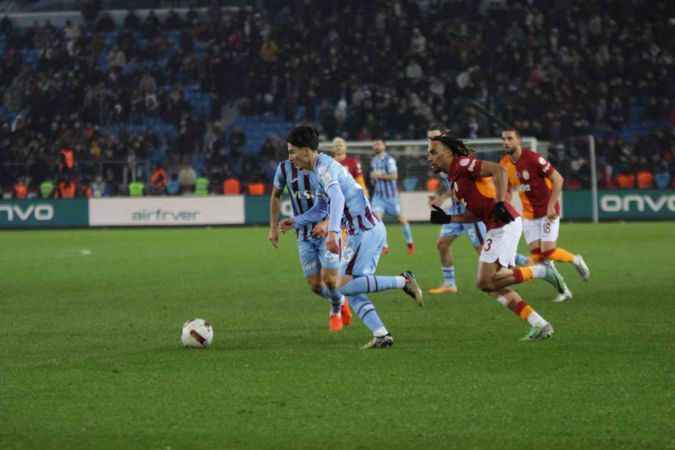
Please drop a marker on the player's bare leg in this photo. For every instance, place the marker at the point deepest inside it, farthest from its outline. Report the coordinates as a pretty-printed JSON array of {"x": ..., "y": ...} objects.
[{"x": 444, "y": 247}]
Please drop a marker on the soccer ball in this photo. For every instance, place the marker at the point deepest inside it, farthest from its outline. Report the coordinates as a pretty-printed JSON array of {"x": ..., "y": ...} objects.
[{"x": 197, "y": 333}]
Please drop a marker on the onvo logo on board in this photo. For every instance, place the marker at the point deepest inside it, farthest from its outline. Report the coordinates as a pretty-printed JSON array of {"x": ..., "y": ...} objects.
[
  {"x": 635, "y": 202},
  {"x": 164, "y": 215},
  {"x": 41, "y": 213}
]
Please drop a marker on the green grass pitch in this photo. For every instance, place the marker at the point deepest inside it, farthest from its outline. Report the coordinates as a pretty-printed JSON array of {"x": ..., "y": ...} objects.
[{"x": 90, "y": 356}]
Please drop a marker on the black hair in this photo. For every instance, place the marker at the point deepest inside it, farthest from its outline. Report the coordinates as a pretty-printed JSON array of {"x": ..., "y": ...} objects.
[
  {"x": 304, "y": 136},
  {"x": 456, "y": 146},
  {"x": 512, "y": 128}
]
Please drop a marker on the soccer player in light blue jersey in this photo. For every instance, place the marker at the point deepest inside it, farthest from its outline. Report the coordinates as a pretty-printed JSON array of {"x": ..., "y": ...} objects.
[
  {"x": 343, "y": 200},
  {"x": 386, "y": 201},
  {"x": 317, "y": 262}
]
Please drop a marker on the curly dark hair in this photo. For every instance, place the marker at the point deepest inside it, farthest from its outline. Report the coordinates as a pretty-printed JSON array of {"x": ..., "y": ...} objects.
[{"x": 456, "y": 146}]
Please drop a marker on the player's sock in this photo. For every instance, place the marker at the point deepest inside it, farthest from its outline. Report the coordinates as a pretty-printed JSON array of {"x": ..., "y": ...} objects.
[
  {"x": 528, "y": 273},
  {"x": 449, "y": 276},
  {"x": 536, "y": 256},
  {"x": 526, "y": 312},
  {"x": 522, "y": 260},
  {"x": 407, "y": 233},
  {"x": 363, "y": 308},
  {"x": 372, "y": 283},
  {"x": 559, "y": 254},
  {"x": 335, "y": 297},
  {"x": 326, "y": 293}
]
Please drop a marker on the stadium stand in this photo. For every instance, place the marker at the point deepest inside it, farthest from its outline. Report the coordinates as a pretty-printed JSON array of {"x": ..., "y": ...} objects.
[{"x": 218, "y": 88}]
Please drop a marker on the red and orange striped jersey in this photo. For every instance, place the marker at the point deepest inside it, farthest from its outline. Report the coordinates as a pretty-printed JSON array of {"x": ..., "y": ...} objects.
[
  {"x": 478, "y": 193},
  {"x": 353, "y": 166},
  {"x": 529, "y": 176}
]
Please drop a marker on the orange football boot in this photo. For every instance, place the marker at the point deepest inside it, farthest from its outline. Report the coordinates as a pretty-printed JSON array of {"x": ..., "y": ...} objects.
[
  {"x": 346, "y": 313},
  {"x": 334, "y": 323}
]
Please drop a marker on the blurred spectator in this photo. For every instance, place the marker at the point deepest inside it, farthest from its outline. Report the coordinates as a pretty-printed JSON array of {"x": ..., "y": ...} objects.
[
  {"x": 556, "y": 71},
  {"x": 173, "y": 186},
  {"x": 158, "y": 181},
  {"x": 186, "y": 178},
  {"x": 67, "y": 188}
]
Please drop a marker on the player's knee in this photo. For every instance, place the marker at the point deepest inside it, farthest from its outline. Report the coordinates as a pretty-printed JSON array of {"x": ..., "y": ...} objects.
[
  {"x": 442, "y": 245},
  {"x": 485, "y": 284}
]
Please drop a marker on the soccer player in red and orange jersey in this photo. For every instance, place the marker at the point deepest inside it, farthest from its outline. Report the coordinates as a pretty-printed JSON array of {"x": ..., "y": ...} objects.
[
  {"x": 539, "y": 185},
  {"x": 352, "y": 164},
  {"x": 482, "y": 186}
]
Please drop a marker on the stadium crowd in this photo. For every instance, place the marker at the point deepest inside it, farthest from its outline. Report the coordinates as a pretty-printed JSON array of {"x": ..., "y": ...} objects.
[{"x": 84, "y": 105}]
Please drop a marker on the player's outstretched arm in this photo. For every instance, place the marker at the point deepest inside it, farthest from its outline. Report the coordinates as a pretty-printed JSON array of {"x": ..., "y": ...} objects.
[
  {"x": 275, "y": 207},
  {"x": 557, "y": 181},
  {"x": 337, "y": 206},
  {"x": 314, "y": 214}
]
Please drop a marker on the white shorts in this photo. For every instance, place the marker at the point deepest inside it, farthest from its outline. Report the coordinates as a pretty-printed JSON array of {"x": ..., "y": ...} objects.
[
  {"x": 541, "y": 229},
  {"x": 501, "y": 244}
]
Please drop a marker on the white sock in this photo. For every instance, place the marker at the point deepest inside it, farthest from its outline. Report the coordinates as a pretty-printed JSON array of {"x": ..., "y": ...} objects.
[
  {"x": 535, "y": 319},
  {"x": 538, "y": 271},
  {"x": 503, "y": 300},
  {"x": 382, "y": 331}
]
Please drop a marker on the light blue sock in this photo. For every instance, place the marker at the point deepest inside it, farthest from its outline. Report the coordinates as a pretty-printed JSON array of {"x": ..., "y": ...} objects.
[
  {"x": 407, "y": 233},
  {"x": 449, "y": 276},
  {"x": 334, "y": 296},
  {"x": 368, "y": 315},
  {"x": 522, "y": 260},
  {"x": 372, "y": 283}
]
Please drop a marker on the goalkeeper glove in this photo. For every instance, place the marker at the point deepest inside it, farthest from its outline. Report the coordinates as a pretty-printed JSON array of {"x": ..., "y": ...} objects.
[
  {"x": 502, "y": 213},
  {"x": 439, "y": 216}
]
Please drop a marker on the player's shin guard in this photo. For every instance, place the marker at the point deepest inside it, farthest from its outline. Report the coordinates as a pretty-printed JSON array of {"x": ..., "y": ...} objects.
[
  {"x": 523, "y": 310},
  {"x": 559, "y": 254},
  {"x": 363, "y": 308},
  {"x": 523, "y": 274},
  {"x": 335, "y": 297},
  {"x": 372, "y": 283},
  {"x": 407, "y": 233}
]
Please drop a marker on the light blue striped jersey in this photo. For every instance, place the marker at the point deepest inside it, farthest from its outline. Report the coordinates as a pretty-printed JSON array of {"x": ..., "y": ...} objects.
[
  {"x": 457, "y": 207},
  {"x": 357, "y": 215},
  {"x": 302, "y": 186},
  {"x": 384, "y": 163}
]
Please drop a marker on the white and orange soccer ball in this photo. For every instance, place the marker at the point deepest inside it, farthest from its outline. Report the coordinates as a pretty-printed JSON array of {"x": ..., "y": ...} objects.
[{"x": 197, "y": 333}]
